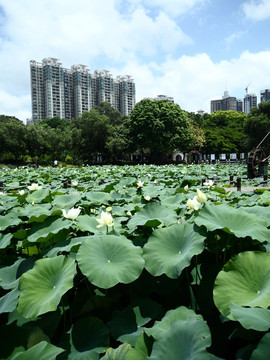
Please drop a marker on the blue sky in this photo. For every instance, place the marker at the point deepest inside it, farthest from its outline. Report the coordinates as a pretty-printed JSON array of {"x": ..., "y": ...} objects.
[{"x": 191, "y": 50}]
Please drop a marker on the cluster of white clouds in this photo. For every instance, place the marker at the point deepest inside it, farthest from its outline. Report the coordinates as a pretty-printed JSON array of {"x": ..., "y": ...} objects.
[{"x": 142, "y": 38}]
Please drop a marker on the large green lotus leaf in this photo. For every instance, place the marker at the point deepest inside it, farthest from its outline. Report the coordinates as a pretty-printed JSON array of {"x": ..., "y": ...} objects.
[
  {"x": 182, "y": 314},
  {"x": 184, "y": 340},
  {"x": 119, "y": 197},
  {"x": 152, "y": 215},
  {"x": 152, "y": 191},
  {"x": 251, "y": 318},
  {"x": 41, "y": 351},
  {"x": 245, "y": 281},
  {"x": 8, "y": 221},
  {"x": 38, "y": 196},
  {"x": 97, "y": 197},
  {"x": 87, "y": 223},
  {"x": 263, "y": 349},
  {"x": 35, "y": 213},
  {"x": 262, "y": 212},
  {"x": 66, "y": 201},
  {"x": 9, "y": 301},
  {"x": 5, "y": 240},
  {"x": 89, "y": 338},
  {"x": 169, "y": 250},
  {"x": 52, "y": 225},
  {"x": 236, "y": 221},
  {"x": 108, "y": 260},
  {"x": 43, "y": 286}
]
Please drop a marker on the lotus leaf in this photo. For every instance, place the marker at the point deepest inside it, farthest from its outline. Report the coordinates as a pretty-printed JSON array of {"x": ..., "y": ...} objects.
[
  {"x": 169, "y": 250},
  {"x": 245, "y": 281},
  {"x": 108, "y": 260},
  {"x": 235, "y": 221},
  {"x": 52, "y": 225},
  {"x": 43, "y": 286},
  {"x": 152, "y": 215},
  {"x": 41, "y": 351},
  {"x": 181, "y": 335}
]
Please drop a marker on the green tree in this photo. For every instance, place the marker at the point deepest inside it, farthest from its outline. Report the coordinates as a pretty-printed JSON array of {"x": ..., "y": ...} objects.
[
  {"x": 224, "y": 132},
  {"x": 12, "y": 139},
  {"x": 105, "y": 108},
  {"x": 257, "y": 125},
  {"x": 158, "y": 126}
]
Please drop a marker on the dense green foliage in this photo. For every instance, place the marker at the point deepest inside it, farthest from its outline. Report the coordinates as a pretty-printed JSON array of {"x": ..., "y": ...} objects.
[
  {"x": 224, "y": 132},
  {"x": 120, "y": 265},
  {"x": 158, "y": 127},
  {"x": 154, "y": 129}
]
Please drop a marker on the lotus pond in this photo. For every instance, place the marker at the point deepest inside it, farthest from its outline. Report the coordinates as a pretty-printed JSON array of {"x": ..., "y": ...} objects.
[{"x": 134, "y": 263}]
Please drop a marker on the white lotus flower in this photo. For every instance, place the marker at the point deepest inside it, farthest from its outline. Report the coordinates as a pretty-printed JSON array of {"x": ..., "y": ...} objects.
[
  {"x": 74, "y": 183},
  {"x": 186, "y": 188},
  {"x": 34, "y": 187},
  {"x": 21, "y": 192},
  {"x": 147, "y": 198},
  {"x": 72, "y": 214},
  {"x": 128, "y": 213},
  {"x": 140, "y": 184},
  {"x": 201, "y": 197},
  {"x": 193, "y": 204},
  {"x": 105, "y": 219},
  {"x": 209, "y": 183}
]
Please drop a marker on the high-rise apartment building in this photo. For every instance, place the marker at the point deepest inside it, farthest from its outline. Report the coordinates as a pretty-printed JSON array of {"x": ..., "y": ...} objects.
[
  {"x": 226, "y": 103},
  {"x": 250, "y": 101},
  {"x": 67, "y": 93},
  {"x": 265, "y": 95}
]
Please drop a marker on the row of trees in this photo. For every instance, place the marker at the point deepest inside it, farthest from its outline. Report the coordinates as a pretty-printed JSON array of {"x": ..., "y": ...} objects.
[{"x": 154, "y": 129}]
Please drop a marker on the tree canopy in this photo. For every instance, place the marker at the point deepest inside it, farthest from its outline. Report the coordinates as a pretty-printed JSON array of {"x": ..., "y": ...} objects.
[{"x": 159, "y": 127}]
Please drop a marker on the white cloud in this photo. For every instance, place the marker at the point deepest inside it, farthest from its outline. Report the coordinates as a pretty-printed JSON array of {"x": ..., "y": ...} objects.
[
  {"x": 18, "y": 104},
  {"x": 194, "y": 81},
  {"x": 257, "y": 10}
]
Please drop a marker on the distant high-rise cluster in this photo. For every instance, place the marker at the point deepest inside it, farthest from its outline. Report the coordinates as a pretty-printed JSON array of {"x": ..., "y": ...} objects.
[
  {"x": 231, "y": 103},
  {"x": 67, "y": 93}
]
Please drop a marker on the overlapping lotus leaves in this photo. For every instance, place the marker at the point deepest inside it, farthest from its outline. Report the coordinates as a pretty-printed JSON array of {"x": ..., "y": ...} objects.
[
  {"x": 180, "y": 335},
  {"x": 263, "y": 349},
  {"x": 44, "y": 285},
  {"x": 89, "y": 338},
  {"x": 152, "y": 215},
  {"x": 262, "y": 212},
  {"x": 169, "y": 250},
  {"x": 127, "y": 324},
  {"x": 41, "y": 351},
  {"x": 52, "y": 225},
  {"x": 251, "y": 318},
  {"x": 245, "y": 281},
  {"x": 65, "y": 246},
  {"x": 107, "y": 260},
  {"x": 235, "y": 221},
  {"x": 38, "y": 196}
]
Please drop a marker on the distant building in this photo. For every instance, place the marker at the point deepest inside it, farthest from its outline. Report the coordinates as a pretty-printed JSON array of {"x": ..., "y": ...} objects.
[
  {"x": 226, "y": 103},
  {"x": 265, "y": 95},
  {"x": 67, "y": 93},
  {"x": 250, "y": 101}
]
